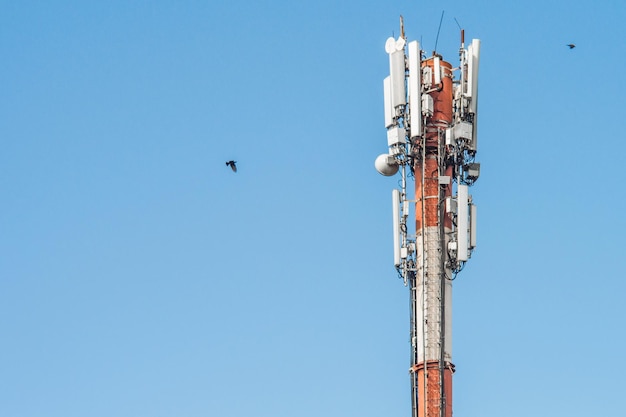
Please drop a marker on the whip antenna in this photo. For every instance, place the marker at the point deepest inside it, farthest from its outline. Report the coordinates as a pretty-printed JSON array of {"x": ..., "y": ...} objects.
[{"x": 439, "y": 29}]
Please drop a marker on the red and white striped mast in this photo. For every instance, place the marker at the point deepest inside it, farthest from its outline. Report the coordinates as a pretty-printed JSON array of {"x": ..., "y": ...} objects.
[{"x": 430, "y": 117}]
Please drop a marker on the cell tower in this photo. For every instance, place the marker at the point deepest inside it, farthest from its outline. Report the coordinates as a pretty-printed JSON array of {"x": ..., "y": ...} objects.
[{"x": 430, "y": 117}]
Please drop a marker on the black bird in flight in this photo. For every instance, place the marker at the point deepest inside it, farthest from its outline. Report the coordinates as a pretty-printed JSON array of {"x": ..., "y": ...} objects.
[
  {"x": 232, "y": 165},
  {"x": 571, "y": 45}
]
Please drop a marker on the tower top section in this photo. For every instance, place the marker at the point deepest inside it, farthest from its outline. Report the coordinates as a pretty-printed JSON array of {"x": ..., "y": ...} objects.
[{"x": 431, "y": 112}]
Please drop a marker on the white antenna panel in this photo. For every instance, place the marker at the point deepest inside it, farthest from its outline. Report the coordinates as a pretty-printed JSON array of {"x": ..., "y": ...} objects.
[
  {"x": 462, "y": 222},
  {"x": 437, "y": 70},
  {"x": 473, "y": 105},
  {"x": 415, "y": 88},
  {"x": 397, "y": 73},
  {"x": 395, "y": 203},
  {"x": 473, "y": 144},
  {"x": 472, "y": 241},
  {"x": 472, "y": 73},
  {"x": 470, "y": 69},
  {"x": 389, "y": 112}
]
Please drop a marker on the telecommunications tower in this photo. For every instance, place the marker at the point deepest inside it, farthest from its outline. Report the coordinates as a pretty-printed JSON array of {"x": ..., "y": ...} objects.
[{"x": 430, "y": 117}]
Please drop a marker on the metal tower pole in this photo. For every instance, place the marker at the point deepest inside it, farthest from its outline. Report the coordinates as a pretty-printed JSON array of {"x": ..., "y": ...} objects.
[{"x": 432, "y": 290}]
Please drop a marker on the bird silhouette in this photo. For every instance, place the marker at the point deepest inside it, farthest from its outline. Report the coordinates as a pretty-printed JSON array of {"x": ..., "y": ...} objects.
[
  {"x": 232, "y": 165},
  {"x": 571, "y": 45}
]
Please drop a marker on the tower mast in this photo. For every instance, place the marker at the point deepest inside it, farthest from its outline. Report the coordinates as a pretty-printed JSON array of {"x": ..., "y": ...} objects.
[{"x": 430, "y": 116}]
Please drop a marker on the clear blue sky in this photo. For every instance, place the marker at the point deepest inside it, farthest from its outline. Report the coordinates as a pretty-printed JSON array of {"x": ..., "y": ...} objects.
[{"x": 139, "y": 276}]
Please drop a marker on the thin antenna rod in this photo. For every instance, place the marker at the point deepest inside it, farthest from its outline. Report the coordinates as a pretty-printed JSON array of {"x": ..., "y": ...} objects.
[
  {"x": 401, "y": 27},
  {"x": 462, "y": 33},
  {"x": 439, "y": 29},
  {"x": 458, "y": 24}
]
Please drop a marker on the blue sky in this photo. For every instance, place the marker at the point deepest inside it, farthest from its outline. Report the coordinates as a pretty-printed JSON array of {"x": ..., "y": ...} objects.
[{"x": 139, "y": 276}]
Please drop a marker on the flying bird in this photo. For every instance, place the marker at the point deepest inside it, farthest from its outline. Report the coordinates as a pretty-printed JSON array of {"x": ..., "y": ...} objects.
[
  {"x": 232, "y": 165},
  {"x": 571, "y": 45}
]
